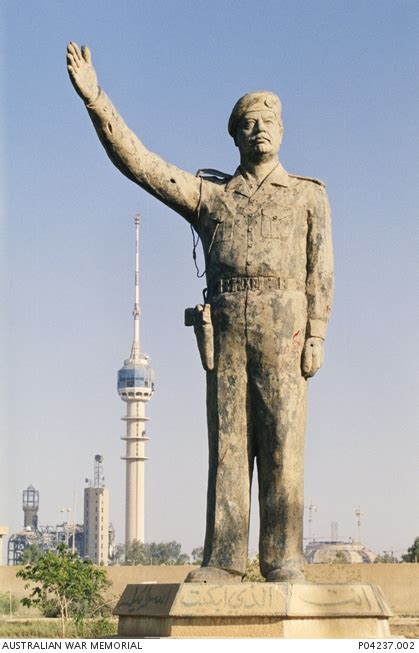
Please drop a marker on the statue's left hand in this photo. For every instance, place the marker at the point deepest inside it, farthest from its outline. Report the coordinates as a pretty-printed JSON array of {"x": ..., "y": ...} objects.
[{"x": 312, "y": 356}]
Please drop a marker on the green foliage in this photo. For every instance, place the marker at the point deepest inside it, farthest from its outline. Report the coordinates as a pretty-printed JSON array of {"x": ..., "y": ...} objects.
[
  {"x": 8, "y": 603},
  {"x": 101, "y": 628},
  {"x": 118, "y": 555},
  {"x": 386, "y": 557},
  {"x": 253, "y": 574},
  {"x": 412, "y": 554},
  {"x": 72, "y": 585},
  {"x": 136, "y": 554},
  {"x": 50, "y": 608},
  {"x": 32, "y": 553},
  {"x": 155, "y": 553},
  {"x": 340, "y": 558},
  {"x": 197, "y": 555},
  {"x": 183, "y": 559}
]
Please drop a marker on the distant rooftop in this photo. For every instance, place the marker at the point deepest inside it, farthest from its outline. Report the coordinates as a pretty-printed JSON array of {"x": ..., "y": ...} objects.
[{"x": 345, "y": 552}]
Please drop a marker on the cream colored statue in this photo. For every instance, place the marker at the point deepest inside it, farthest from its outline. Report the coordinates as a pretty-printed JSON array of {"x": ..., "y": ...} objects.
[{"x": 267, "y": 245}]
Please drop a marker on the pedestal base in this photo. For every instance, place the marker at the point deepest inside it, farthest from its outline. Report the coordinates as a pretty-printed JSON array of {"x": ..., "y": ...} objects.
[{"x": 288, "y": 610}]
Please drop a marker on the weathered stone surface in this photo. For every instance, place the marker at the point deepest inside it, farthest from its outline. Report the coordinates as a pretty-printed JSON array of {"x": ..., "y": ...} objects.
[
  {"x": 267, "y": 245},
  {"x": 210, "y": 574},
  {"x": 253, "y": 610}
]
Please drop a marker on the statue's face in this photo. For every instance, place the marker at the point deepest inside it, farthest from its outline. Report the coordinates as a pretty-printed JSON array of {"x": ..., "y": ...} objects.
[{"x": 258, "y": 135}]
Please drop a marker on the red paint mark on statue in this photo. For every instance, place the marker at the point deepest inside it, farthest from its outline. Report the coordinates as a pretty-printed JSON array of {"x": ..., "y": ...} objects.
[{"x": 296, "y": 343}]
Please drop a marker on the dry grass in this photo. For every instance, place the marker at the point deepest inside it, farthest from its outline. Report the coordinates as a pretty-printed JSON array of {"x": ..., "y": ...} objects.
[{"x": 51, "y": 628}]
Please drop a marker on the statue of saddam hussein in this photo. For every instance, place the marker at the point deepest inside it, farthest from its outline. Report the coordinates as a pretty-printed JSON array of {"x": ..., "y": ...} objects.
[{"x": 267, "y": 245}]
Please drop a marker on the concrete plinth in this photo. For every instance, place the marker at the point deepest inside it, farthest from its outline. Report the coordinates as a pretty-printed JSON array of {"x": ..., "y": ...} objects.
[{"x": 287, "y": 610}]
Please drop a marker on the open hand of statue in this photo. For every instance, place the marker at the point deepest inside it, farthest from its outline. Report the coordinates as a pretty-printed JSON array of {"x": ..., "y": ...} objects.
[
  {"x": 82, "y": 74},
  {"x": 312, "y": 357}
]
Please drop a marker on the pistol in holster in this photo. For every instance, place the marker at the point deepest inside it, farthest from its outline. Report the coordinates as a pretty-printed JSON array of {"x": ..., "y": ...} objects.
[{"x": 200, "y": 318}]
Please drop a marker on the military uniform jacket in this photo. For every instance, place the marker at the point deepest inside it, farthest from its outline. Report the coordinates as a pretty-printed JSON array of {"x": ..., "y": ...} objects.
[{"x": 279, "y": 231}]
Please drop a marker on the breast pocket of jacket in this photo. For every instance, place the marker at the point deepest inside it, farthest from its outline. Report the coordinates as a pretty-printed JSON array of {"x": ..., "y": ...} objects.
[
  {"x": 222, "y": 228},
  {"x": 275, "y": 223}
]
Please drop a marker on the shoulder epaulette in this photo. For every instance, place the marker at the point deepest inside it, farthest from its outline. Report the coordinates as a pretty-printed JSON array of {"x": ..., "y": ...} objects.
[
  {"x": 316, "y": 181},
  {"x": 216, "y": 176}
]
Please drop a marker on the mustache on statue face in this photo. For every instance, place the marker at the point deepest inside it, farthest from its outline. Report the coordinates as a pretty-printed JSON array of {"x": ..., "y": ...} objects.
[{"x": 261, "y": 135}]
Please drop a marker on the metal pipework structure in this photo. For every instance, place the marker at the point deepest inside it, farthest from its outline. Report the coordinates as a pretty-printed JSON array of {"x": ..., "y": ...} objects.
[{"x": 135, "y": 387}]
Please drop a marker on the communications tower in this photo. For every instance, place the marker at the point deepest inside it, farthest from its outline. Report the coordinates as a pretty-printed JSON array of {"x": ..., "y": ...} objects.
[{"x": 135, "y": 387}]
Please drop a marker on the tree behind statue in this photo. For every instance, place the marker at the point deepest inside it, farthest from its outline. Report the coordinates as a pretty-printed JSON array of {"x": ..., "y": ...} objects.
[{"x": 71, "y": 585}]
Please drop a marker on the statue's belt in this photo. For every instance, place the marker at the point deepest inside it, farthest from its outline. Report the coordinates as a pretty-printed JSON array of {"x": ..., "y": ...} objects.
[{"x": 236, "y": 284}]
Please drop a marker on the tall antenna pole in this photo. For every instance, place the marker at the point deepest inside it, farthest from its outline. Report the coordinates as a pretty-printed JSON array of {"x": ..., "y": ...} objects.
[
  {"x": 334, "y": 526},
  {"x": 359, "y": 514},
  {"x": 73, "y": 544},
  {"x": 136, "y": 346},
  {"x": 311, "y": 508}
]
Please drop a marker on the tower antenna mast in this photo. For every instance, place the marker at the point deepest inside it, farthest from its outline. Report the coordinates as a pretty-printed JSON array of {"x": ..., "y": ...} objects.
[
  {"x": 136, "y": 344},
  {"x": 135, "y": 387},
  {"x": 311, "y": 508},
  {"x": 359, "y": 514}
]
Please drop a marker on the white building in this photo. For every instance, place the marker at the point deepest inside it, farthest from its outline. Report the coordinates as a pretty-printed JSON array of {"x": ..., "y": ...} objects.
[
  {"x": 333, "y": 552},
  {"x": 96, "y": 517}
]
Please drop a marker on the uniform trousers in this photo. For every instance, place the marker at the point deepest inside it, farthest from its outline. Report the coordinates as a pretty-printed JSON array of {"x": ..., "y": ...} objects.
[{"x": 256, "y": 410}]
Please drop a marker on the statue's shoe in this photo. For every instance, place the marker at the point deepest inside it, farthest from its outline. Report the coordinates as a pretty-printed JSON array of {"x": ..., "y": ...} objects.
[
  {"x": 286, "y": 574},
  {"x": 213, "y": 575}
]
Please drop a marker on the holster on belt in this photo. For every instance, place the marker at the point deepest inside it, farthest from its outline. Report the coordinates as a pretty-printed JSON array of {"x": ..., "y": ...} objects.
[{"x": 200, "y": 318}]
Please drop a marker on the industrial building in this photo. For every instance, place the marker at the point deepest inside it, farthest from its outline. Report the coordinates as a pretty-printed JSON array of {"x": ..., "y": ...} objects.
[
  {"x": 45, "y": 538},
  {"x": 97, "y": 529},
  {"x": 96, "y": 517},
  {"x": 135, "y": 387}
]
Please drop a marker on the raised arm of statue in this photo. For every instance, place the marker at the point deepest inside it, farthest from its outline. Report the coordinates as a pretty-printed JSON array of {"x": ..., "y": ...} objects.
[{"x": 178, "y": 189}]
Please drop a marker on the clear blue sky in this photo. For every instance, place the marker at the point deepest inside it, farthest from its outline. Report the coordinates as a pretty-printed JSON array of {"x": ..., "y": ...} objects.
[{"x": 346, "y": 72}]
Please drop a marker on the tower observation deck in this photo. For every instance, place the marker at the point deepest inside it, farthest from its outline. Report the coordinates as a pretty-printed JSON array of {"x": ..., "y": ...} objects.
[{"x": 135, "y": 387}]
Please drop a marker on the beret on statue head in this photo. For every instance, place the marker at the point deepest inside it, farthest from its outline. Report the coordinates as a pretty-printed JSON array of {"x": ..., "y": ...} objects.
[{"x": 256, "y": 101}]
